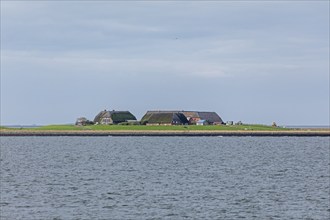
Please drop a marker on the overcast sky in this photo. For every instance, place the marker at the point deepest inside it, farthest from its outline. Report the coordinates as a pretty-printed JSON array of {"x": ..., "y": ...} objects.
[{"x": 254, "y": 61}]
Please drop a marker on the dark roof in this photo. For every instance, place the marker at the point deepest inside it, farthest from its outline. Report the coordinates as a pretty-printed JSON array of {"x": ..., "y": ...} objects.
[
  {"x": 164, "y": 118},
  {"x": 116, "y": 116},
  {"x": 211, "y": 117},
  {"x": 123, "y": 116},
  {"x": 190, "y": 114},
  {"x": 161, "y": 111}
]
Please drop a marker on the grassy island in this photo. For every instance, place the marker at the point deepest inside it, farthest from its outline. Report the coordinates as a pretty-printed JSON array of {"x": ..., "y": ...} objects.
[
  {"x": 246, "y": 127},
  {"x": 161, "y": 130}
]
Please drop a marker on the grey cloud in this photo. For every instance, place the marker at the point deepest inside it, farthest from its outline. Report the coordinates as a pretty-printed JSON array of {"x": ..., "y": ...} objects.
[{"x": 245, "y": 60}]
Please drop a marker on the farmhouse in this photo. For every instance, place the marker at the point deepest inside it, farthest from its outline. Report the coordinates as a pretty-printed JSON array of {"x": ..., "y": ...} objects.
[
  {"x": 164, "y": 118},
  {"x": 113, "y": 117},
  {"x": 180, "y": 117},
  {"x": 211, "y": 118},
  {"x": 191, "y": 116}
]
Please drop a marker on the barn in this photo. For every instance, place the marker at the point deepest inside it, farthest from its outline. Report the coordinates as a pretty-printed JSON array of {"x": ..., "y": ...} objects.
[{"x": 113, "y": 117}]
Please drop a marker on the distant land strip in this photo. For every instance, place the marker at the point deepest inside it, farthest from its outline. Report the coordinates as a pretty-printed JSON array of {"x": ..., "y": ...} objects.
[{"x": 295, "y": 133}]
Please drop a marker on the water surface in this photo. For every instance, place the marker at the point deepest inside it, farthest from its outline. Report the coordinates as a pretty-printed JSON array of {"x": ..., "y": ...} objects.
[{"x": 164, "y": 178}]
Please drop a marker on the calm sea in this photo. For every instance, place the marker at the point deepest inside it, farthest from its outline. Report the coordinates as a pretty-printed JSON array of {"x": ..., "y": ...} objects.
[{"x": 165, "y": 178}]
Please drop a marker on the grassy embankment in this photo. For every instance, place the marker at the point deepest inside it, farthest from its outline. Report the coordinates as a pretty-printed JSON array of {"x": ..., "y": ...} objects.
[{"x": 247, "y": 127}]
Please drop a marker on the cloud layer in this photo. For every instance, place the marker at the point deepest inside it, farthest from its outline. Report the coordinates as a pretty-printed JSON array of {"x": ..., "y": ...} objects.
[{"x": 249, "y": 61}]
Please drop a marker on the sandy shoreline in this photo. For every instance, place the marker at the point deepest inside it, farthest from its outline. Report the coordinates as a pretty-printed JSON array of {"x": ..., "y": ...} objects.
[{"x": 4, "y": 132}]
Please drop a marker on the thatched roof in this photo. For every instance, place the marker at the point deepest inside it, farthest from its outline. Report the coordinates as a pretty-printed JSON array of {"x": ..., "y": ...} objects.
[
  {"x": 116, "y": 116},
  {"x": 210, "y": 117},
  {"x": 190, "y": 114},
  {"x": 157, "y": 116},
  {"x": 166, "y": 117}
]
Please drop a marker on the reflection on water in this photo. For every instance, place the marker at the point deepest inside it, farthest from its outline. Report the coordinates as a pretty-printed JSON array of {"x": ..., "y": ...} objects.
[{"x": 164, "y": 178}]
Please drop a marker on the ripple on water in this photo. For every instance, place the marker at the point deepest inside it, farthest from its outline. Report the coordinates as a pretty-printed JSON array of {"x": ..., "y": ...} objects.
[{"x": 164, "y": 178}]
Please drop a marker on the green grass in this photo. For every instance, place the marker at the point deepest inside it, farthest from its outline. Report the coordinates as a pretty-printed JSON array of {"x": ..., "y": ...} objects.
[
  {"x": 7, "y": 128},
  {"x": 158, "y": 128}
]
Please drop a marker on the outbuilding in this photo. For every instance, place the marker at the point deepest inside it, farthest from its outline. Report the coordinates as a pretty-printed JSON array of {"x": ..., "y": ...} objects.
[{"x": 81, "y": 121}]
